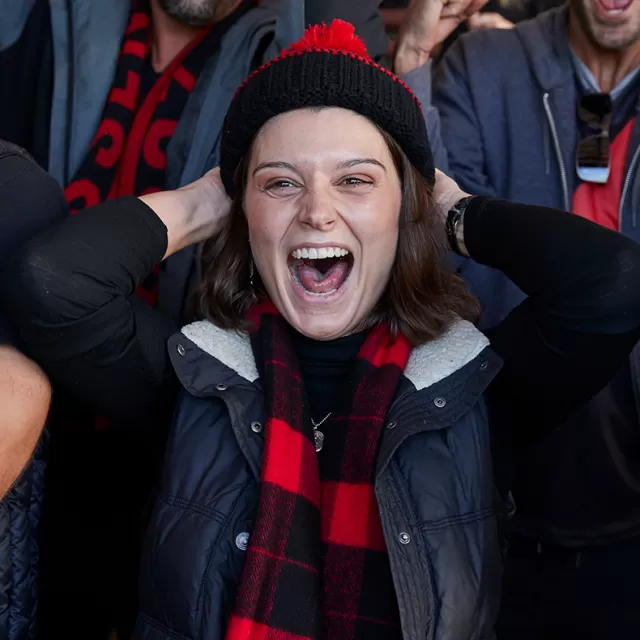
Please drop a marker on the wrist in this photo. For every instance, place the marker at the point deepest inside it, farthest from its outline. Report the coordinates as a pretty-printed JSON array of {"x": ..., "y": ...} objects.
[
  {"x": 198, "y": 207},
  {"x": 173, "y": 210},
  {"x": 448, "y": 201},
  {"x": 181, "y": 213},
  {"x": 455, "y": 226},
  {"x": 192, "y": 213},
  {"x": 207, "y": 203},
  {"x": 407, "y": 59}
]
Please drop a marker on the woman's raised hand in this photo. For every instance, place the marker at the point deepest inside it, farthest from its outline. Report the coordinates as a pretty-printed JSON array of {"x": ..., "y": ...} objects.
[
  {"x": 192, "y": 213},
  {"x": 446, "y": 193},
  {"x": 209, "y": 201}
]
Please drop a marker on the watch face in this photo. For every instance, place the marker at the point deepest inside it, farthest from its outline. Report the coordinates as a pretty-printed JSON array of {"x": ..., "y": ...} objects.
[{"x": 462, "y": 203}]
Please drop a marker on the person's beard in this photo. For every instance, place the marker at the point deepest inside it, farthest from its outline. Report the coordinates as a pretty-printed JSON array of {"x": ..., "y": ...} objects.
[
  {"x": 609, "y": 37},
  {"x": 197, "y": 13}
]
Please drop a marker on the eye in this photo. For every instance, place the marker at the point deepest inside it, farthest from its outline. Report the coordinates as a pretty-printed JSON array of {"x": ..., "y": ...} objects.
[
  {"x": 280, "y": 185},
  {"x": 353, "y": 181}
]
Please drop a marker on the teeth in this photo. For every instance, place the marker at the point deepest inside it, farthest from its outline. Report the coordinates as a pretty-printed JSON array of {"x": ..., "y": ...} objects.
[{"x": 319, "y": 254}]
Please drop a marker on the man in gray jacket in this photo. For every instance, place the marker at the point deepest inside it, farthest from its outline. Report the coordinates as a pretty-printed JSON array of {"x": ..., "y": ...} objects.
[{"x": 546, "y": 113}]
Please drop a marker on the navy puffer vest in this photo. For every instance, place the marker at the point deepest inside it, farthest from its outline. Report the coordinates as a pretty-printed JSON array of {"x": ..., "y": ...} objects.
[{"x": 434, "y": 485}]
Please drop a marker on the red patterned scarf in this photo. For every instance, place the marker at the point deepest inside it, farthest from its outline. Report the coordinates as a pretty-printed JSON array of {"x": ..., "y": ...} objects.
[
  {"x": 317, "y": 543},
  {"x": 128, "y": 154}
]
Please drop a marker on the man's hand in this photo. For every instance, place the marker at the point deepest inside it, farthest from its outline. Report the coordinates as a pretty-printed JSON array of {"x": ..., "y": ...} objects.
[
  {"x": 426, "y": 25},
  {"x": 489, "y": 20}
]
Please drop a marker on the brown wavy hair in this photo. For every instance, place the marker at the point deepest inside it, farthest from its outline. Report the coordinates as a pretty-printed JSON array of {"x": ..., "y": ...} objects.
[{"x": 423, "y": 296}]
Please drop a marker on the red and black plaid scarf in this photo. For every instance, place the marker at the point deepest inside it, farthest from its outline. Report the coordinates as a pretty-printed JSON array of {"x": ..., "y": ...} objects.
[
  {"x": 128, "y": 154},
  {"x": 317, "y": 565}
]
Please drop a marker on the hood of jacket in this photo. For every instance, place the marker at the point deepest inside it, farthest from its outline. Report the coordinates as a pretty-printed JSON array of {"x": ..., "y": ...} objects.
[{"x": 547, "y": 47}]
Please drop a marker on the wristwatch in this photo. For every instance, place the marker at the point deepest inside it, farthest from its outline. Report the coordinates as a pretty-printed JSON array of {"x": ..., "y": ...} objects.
[{"x": 455, "y": 226}]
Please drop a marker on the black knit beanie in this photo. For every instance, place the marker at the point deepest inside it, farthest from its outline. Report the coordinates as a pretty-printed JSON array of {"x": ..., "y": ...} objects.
[{"x": 328, "y": 66}]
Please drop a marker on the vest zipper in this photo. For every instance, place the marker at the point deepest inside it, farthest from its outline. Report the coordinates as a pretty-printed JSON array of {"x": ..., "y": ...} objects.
[
  {"x": 625, "y": 189},
  {"x": 556, "y": 144}
]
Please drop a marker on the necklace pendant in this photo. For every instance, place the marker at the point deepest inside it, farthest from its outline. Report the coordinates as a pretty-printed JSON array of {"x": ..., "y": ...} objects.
[{"x": 318, "y": 440}]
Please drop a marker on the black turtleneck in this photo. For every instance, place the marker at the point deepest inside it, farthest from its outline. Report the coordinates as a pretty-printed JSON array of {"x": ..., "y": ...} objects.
[{"x": 323, "y": 365}]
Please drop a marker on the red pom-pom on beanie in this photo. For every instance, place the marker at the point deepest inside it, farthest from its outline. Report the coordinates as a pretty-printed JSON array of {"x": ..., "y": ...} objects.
[{"x": 338, "y": 36}]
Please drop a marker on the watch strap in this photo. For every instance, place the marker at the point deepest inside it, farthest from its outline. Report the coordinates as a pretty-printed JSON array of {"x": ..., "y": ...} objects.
[{"x": 455, "y": 226}]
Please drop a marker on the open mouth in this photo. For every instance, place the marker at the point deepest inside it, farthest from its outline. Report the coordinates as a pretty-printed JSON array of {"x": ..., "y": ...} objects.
[
  {"x": 614, "y": 7},
  {"x": 320, "y": 271}
]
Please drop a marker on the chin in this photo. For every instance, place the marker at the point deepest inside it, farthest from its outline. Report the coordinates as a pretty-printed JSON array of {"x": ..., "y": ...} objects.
[
  {"x": 322, "y": 329},
  {"x": 316, "y": 322},
  {"x": 613, "y": 28}
]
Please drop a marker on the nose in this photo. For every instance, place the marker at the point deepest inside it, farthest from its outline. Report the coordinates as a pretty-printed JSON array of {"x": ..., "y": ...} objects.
[{"x": 318, "y": 210}]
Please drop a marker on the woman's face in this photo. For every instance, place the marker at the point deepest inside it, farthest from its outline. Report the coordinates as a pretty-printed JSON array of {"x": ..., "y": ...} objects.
[{"x": 322, "y": 204}]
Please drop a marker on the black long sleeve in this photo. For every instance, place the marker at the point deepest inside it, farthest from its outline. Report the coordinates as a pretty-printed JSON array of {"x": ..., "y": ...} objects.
[
  {"x": 580, "y": 321},
  {"x": 71, "y": 293},
  {"x": 31, "y": 200}
]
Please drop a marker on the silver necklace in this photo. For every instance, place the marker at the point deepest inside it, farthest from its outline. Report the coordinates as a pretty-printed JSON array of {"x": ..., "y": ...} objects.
[{"x": 318, "y": 436}]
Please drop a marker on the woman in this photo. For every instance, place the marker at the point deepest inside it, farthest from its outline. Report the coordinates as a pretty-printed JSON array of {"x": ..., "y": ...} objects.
[{"x": 331, "y": 463}]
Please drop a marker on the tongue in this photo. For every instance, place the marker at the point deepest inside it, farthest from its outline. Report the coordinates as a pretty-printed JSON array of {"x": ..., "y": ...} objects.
[
  {"x": 611, "y": 5},
  {"x": 315, "y": 281}
]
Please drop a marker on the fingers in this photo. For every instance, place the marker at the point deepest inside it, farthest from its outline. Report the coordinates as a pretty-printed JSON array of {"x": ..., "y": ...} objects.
[
  {"x": 426, "y": 25},
  {"x": 418, "y": 35},
  {"x": 489, "y": 21},
  {"x": 461, "y": 8}
]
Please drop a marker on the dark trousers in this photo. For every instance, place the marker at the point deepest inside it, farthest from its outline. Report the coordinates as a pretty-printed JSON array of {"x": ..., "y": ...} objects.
[{"x": 554, "y": 593}]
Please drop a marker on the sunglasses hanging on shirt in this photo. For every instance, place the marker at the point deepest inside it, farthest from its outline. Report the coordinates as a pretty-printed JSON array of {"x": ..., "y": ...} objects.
[{"x": 593, "y": 152}]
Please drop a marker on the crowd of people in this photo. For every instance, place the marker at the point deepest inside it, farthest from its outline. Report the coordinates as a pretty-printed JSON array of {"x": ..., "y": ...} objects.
[{"x": 305, "y": 336}]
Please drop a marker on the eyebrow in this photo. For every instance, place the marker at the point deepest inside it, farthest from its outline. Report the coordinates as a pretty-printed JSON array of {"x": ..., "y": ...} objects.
[
  {"x": 347, "y": 164},
  {"x": 275, "y": 165}
]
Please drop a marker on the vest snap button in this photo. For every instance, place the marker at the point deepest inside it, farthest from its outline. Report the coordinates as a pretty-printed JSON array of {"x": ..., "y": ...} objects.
[
  {"x": 404, "y": 538},
  {"x": 392, "y": 425},
  {"x": 221, "y": 387},
  {"x": 440, "y": 402},
  {"x": 256, "y": 427},
  {"x": 484, "y": 365},
  {"x": 242, "y": 541},
  {"x": 181, "y": 350}
]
